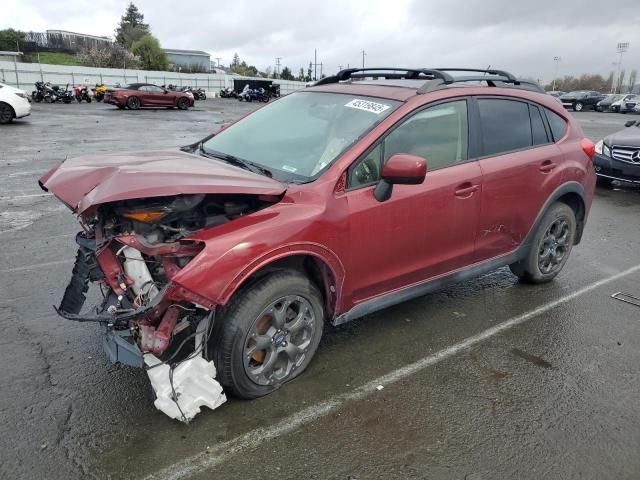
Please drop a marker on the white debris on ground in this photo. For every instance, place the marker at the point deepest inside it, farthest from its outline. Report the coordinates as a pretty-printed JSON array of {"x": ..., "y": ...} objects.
[{"x": 193, "y": 382}]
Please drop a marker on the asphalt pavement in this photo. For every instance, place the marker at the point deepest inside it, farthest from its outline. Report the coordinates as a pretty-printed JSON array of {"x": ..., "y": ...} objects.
[{"x": 488, "y": 379}]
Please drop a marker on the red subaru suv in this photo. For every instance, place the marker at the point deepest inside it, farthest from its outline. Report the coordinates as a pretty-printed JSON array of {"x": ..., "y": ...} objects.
[{"x": 372, "y": 187}]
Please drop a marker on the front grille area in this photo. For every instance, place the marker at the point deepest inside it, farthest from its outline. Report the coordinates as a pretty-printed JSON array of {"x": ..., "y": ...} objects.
[{"x": 626, "y": 154}]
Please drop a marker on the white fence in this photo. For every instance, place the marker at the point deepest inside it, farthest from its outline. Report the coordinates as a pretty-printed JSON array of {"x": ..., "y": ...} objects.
[{"x": 24, "y": 75}]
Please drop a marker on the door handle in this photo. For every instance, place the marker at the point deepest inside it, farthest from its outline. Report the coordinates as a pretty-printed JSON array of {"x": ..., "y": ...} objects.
[
  {"x": 547, "y": 166},
  {"x": 466, "y": 189}
]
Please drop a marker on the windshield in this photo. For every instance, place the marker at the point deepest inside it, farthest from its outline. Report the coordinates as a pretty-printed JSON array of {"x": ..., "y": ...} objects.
[
  {"x": 300, "y": 135},
  {"x": 578, "y": 93}
]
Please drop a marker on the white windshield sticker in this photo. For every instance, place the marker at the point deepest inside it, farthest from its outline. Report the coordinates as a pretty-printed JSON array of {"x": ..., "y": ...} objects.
[
  {"x": 368, "y": 106},
  {"x": 289, "y": 169}
]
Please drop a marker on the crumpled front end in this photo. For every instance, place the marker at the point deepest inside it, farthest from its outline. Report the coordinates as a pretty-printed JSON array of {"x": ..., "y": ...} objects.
[{"x": 134, "y": 250}]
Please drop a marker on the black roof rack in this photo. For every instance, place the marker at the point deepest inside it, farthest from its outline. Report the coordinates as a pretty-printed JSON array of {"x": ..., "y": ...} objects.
[
  {"x": 387, "y": 72},
  {"x": 435, "y": 77}
]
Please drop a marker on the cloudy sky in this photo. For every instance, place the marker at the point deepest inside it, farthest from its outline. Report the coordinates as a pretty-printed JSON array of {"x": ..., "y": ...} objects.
[{"x": 522, "y": 37}]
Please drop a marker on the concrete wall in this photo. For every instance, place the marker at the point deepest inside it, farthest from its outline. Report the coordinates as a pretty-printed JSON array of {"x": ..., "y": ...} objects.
[{"x": 24, "y": 75}]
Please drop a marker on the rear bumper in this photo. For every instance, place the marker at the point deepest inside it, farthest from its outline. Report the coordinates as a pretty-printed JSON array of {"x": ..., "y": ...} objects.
[
  {"x": 608, "y": 167},
  {"x": 115, "y": 101},
  {"x": 22, "y": 108}
]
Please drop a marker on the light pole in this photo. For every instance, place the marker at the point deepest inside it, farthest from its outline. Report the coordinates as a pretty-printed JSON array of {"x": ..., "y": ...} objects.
[
  {"x": 622, "y": 47},
  {"x": 556, "y": 60},
  {"x": 363, "y": 54}
]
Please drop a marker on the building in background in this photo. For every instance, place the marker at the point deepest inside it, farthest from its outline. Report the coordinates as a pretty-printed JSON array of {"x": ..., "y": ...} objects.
[
  {"x": 11, "y": 56},
  {"x": 188, "y": 60}
]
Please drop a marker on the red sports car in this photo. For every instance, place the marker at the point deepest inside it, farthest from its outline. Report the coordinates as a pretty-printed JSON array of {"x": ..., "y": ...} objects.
[{"x": 136, "y": 95}]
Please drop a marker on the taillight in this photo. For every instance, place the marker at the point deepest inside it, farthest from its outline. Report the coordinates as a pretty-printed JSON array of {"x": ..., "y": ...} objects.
[{"x": 588, "y": 147}]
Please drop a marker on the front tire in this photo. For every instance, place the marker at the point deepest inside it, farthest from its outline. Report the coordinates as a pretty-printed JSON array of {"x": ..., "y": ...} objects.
[
  {"x": 550, "y": 248},
  {"x": 183, "y": 103},
  {"x": 577, "y": 107},
  {"x": 268, "y": 334}
]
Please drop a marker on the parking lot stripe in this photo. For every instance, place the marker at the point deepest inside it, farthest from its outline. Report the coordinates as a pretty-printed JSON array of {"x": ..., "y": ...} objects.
[{"x": 254, "y": 438}]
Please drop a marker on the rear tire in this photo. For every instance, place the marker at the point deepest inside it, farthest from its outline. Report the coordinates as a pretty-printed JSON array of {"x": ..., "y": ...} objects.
[
  {"x": 284, "y": 310},
  {"x": 6, "y": 113},
  {"x": 133, "y": 103},
  {"x": 550, "y": 248}
]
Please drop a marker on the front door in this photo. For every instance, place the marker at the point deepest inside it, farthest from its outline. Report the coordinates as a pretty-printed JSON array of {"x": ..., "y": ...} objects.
[{"x": 424, "y": 230}]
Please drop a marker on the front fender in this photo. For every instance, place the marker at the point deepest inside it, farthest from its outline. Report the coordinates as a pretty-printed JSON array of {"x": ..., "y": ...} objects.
[
  {"x": 316, "y": 250},
  {"x": 236, "y": 250}
]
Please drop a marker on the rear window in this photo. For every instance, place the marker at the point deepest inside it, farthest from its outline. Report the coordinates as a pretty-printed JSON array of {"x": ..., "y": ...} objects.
[
  {"x": 505, "y": 125},
  {"x": 557, "y": 123},
  {"x": 537, "y": 126}
]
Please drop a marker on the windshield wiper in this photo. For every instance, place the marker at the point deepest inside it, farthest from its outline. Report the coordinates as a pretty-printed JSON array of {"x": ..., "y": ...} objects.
[{"x": 240, "y": 162}]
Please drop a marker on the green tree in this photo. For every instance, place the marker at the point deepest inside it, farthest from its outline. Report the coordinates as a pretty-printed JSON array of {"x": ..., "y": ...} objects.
[
  {"x": 151, "y": 56},
  {"x": 132, "y": 27},
  {"x": 236, "y": 60},
  {"x": 11, "y": 40},
  {"x": 241, "y": 68},
  {"x": 301, "y": 75},
  {"x": 285, "y": 74},
  {"x": 309, "y": 72}
]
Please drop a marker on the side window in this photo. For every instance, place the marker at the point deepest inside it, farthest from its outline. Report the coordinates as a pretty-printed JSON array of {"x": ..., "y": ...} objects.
[
  {"x": 367, "y": 170},
  {"x": 505, "y": 125},
  {"x": 557, "y": 123},
  {"x": 537, "y": 126},
  {"x": 439, "y": 134}
]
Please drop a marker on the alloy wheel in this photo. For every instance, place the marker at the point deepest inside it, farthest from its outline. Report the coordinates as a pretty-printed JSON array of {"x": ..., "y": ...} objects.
[
  {"x": 278, "y": 341},
  {"x": 554, "y": 246}
]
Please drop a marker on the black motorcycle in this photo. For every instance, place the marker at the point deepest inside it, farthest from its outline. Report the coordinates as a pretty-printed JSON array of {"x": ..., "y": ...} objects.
[
  {"x": 45, "y": 92},
  {"x": 228, "y": 93},
  {"x": 39, "y": 93}
]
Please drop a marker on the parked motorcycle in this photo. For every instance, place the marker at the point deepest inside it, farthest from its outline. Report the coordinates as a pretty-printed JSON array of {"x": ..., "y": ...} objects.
[
  {"x": 254, "y": 95},
  {"x": 199, "y": 93},
  {"x": 81, "y": 92},
  {"x": 228, "y": 92},
  {"x": 39, "y": 93},
  {"x": 98, "y": 92},
  {"x": 51, "y": 93}
]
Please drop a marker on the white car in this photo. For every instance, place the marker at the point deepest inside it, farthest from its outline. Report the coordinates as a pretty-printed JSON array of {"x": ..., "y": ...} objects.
[
  {"x": 14, "y": 103},
  {"x": 625, "y": 104}
]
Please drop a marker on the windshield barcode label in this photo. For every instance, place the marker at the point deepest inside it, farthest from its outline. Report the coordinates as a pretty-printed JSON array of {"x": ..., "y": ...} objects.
[{"x": 368, "y": 106}]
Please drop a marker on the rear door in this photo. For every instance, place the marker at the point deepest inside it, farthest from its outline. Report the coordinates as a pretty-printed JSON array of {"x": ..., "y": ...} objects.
[
  {"x": 422, "y": 231},
  {"x": 519, "y": 166}
]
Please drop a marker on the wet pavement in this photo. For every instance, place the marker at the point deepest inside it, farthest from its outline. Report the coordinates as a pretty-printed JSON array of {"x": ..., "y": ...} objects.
[{"x": 487, "y": 379}]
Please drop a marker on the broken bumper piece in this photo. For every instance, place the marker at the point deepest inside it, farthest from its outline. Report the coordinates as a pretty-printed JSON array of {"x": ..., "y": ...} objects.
[
  {"x": 121, "y": 348},
  {"x": 183, "y": 389}
]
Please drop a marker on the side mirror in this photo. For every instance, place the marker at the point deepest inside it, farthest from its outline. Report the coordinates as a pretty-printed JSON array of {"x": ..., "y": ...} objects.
[
  {"x": 166, "y": 91},
  {"x": 400, "y": 169},
  {"x": 630, "y": 123}
]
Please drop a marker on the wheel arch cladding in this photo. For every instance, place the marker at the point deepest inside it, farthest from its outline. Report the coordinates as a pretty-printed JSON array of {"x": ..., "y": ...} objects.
[
  {"x": 327, "y": 278},
  {"x": 576, "y": 202}
]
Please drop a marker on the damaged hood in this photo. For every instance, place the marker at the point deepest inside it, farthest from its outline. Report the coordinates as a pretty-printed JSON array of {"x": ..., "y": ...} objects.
[{"x": 89, "y": 180}]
